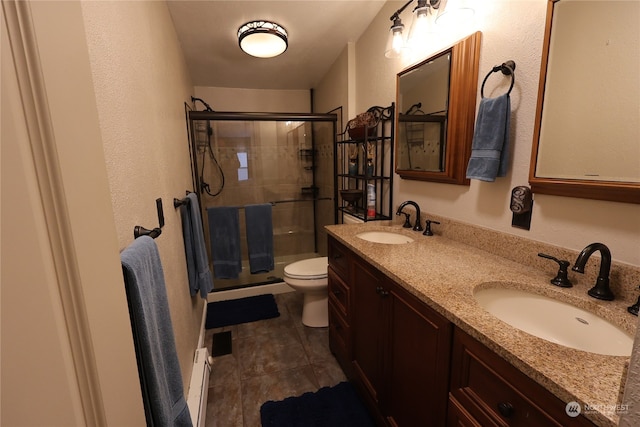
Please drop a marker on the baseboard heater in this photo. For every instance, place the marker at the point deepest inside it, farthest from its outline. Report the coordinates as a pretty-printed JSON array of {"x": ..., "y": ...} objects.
[{"x": 199, "y": 388}]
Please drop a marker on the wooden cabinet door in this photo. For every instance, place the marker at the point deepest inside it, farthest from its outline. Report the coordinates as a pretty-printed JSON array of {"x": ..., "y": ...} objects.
[
  {"x": 417, "y": 372},
  {"x": 457, "y": 416},
  {"x": 368, "y": 328}
]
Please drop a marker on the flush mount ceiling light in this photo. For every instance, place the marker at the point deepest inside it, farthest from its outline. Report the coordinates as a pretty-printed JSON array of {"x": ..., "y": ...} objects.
[{"x": 263, "y": 39}]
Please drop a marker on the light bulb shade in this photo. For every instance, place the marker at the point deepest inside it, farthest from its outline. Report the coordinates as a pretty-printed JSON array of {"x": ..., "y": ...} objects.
[
  {"x": 420, "y": 29},
  {"x": 455, "y": 12},
  {"x": 396, "y": 43},
  {"x": 262, "y": 39}
]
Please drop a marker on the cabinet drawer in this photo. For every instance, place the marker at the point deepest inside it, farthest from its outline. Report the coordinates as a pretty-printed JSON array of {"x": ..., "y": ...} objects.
[
  {"x": 495, "y": 393},
  {"x": 339, "y": 258},
  {"x": 339, "y": 293}
]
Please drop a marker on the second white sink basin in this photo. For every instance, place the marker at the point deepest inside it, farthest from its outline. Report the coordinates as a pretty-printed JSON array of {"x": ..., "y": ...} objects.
[
  {"x": 555, "y": 321},
  {"x": 387, "y": 237}
]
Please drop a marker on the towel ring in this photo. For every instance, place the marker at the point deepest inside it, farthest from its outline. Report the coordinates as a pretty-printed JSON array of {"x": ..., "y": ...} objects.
[{"x": 508, "y": 69}]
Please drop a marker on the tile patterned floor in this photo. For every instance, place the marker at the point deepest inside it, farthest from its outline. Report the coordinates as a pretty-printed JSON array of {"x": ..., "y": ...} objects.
[{"x": 271, "y": 360}]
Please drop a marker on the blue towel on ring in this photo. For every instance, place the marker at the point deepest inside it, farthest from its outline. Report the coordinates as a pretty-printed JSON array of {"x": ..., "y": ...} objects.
[
  {"x": 490, "y": 147},
  {"x": 158, "y": 366},
  {"x": 195, "y": 248},
  {"x": 259, "y": 226},
  {"x": 224, "y": 235}
]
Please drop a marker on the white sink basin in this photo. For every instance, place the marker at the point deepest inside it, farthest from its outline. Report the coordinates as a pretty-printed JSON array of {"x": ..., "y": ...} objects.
[
  {"x": 387, "y": 237},
  {"x": 555, "y": 321}
]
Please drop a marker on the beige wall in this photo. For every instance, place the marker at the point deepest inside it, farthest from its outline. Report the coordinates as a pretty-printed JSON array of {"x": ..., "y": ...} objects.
[
  {"x": 141, "y": 83},
  {"x": 65, "y": 324},
  {"x": 511, "y": 30},
  {"x": 253, "y": 100}
]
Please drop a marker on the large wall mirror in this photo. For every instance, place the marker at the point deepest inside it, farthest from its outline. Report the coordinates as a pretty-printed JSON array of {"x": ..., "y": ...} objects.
[
  {"x": 436, "y": 102},
  {"x": 587, "y": 136}
]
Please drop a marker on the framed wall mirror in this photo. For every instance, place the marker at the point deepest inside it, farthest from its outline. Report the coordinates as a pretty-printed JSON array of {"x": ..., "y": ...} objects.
[
  {"x": 587, "y": 136},
  {"x": 436, "y": 102}
]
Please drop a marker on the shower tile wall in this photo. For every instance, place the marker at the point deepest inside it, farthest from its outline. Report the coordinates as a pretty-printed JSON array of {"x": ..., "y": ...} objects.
[{"x": 263, "y": 162}]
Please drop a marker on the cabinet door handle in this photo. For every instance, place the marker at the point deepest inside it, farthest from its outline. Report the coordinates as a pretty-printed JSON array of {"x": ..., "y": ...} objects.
[
  {"x": 337, "y": 292},
  {"x": 506, "y": 409},
  {"x": 381, "y": 291},
  {"x": 337, "y": 256}
]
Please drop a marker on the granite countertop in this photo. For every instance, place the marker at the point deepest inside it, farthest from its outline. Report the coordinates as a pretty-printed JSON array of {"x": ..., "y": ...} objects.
[{"x": 443, "y": 273}]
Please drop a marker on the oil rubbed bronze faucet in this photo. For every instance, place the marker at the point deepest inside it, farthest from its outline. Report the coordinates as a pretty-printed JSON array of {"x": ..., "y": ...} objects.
[
  {"x": 417, "y": 226},
  {"x": 601, "y": 289}
]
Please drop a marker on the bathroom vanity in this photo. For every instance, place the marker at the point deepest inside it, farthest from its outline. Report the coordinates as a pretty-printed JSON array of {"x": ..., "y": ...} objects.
[{"x": 405, "y": 327}]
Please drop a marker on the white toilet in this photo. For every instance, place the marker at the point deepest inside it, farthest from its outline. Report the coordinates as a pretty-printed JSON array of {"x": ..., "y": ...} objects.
[{"x": 309, "y": 277}]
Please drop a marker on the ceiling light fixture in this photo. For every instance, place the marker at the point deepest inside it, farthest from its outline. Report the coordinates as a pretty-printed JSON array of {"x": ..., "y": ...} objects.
[{"x": 263, "y": 39}]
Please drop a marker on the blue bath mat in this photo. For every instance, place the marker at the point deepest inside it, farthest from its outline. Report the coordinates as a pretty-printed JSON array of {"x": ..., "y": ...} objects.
[
  {"x": 243, "y": 310},
  {"x": 337, "y": 406}
]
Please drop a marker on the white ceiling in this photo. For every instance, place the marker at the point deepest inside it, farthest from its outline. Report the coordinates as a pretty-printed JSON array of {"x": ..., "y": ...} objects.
[{"x": 318, "y": 32}]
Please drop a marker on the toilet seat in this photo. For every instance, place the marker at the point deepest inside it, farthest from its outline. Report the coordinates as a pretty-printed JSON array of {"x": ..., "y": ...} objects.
[{"x": 308, "y": 269}]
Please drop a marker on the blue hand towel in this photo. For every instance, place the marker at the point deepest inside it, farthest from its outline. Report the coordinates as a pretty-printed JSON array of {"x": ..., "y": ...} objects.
[
  {"x": 160, "y": 375},
  {"x": 490, "y": 147},
  {"x": 224, "y": 234},
  {"x": 259, "y": 226},
  {"x": 195, "y": 248}
]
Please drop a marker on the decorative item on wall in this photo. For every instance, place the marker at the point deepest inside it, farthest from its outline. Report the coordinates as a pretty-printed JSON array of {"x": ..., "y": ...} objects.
[
  {"x": 450, "y": 12},
  {"x": 521, "y": 206}
]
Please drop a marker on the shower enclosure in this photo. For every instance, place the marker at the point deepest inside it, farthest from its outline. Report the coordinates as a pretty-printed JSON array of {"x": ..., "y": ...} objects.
[{"x": 239, "y": 159}]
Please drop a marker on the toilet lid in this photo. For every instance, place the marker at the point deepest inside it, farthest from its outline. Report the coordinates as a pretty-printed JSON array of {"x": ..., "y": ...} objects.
[{"x": 313, "y": 268}]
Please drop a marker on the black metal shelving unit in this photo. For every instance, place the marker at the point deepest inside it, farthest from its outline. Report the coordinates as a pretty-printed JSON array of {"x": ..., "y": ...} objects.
[{"x": 374, "y": 153}]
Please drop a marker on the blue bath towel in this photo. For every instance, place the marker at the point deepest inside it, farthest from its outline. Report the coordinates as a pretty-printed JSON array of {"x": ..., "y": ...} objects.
[
  {"x": 195, "y": 248},
  {"x": 160, "y": 375},
  {"x": 259, "y": 226},
  {"x": 490, "y": 148},
  {"x": 224, "y": 234}
]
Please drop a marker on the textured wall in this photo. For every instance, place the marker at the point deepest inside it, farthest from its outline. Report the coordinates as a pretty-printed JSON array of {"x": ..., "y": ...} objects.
[
  {"x": 510, "y": 30},
  {"x": 141, "y": 84},
  {"x": 251, "y": 100}
]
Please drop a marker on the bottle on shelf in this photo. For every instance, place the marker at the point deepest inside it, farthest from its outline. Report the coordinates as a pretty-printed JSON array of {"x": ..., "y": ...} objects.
[{"x": 371, "y": 201}]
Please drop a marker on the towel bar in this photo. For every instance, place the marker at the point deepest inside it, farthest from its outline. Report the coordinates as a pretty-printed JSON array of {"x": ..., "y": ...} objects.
[
  {"x": 179, "y": 202},
  {"x": 138, "y": 231},
  {"x": 507, "y": 68}
]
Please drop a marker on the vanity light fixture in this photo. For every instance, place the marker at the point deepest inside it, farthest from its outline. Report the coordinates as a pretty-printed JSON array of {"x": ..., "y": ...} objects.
[
  {"x": 262, "y": 39},
  {"x": 450, "y": 12},
  {"x": 456, "y": 12},
  {"x": 398, "y": 43}
]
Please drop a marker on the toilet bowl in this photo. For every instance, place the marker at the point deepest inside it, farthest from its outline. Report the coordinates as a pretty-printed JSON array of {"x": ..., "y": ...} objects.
[{"x": 309, "y": 277}]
